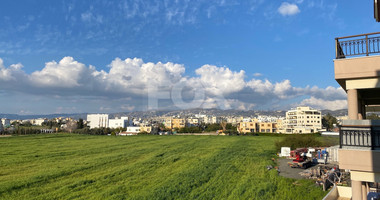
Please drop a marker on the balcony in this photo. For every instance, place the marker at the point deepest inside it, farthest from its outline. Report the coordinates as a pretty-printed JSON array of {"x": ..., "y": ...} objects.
[
  {"x": 362, "y": 136},
  {"x": 360, "y": 145},
  {"x": 357, "y": 45}
]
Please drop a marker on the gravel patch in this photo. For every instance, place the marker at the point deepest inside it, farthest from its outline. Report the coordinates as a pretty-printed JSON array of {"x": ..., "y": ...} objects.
[{"x": 288, "y": 172}]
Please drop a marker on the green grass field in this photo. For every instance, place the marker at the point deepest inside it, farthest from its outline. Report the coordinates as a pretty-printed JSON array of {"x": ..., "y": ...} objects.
[{"x": 69, "y": 166}]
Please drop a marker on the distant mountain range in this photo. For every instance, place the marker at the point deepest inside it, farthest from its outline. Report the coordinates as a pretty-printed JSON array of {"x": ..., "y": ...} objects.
[{"x": 189, "y": 112}]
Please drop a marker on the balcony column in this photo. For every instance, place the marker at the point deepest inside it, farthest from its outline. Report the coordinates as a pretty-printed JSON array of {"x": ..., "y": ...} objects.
[
  {"x": 353, "y": 104},
  {"x": 356, "y": 190}
]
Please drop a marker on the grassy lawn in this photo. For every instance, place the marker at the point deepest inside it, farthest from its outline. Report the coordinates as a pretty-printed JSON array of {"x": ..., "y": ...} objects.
[{"x": 144, "y": 167}]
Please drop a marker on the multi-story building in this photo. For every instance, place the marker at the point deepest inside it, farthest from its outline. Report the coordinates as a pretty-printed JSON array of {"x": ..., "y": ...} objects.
[
  {"x": 267, "y": 127},
  {"x": 167, "y": 121},
  {"x": 192, "y": 121},
  {"x": 145, "y": 128},
  {"x": 178, "y": 123},
  {"x": 279, "y": 126},
  {"x": 359, "y": 76},
  {"x": 39, "y": 121},
  {"x": 248, "y": 127},
  {"x": 97, "y": 120},
  {"x": 303, "y": 120},
  {"x": 234, "y": 120},
  {"x": 121, "y": 122}
]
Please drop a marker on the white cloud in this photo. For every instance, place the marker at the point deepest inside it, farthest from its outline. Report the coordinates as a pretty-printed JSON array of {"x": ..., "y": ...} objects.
[
  {"x": 221, "y": 80},
  {"x": 12, "y": 73},
  {"x": 257, "y": 74},
  {"x": 325, "y": 104},
  {"x": 126, "y": 86},
  {"x": 67, "y": 73},
  {"x": 288, "y": 9}
]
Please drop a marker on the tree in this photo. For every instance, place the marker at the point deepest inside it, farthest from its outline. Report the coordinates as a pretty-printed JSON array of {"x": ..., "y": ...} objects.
[
  {"x": 328, "y": 121},
  {"x": 26, "y": 123},
  {"x": 223, "y": 125},
  {"x": 71, "y": 125},
  {"x": 212, "y": 127},
  {"x": 80, "y": 123}
]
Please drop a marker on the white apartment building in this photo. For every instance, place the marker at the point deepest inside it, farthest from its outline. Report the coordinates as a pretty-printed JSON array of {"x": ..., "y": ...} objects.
[
  {"x": 234, "y": 120},
  {"x": 212, "y": 119},
  {"x": 303, "y": 120},
  {"x": 6, "y": 122},
  {"x": 121, "y": 122},
  {"x": 97, "y": 120},
  {"x": 39, "y": 121},
  {"x": 192, "y": 121}
]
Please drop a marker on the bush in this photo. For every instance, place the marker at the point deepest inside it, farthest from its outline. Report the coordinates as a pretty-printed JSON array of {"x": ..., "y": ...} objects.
[
  {"x": 193, "y": 129},
  {"x": 94, "y": 131},
  {"x": 298, "y": 141},
  {"x": 143, "y": 133},
  {"x": 232, "y": 132}
]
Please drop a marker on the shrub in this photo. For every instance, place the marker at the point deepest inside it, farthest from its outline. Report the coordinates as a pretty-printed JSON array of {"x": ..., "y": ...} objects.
[
  {"x": 143, "y": 133},
  {"x": 297, "y": 141}
]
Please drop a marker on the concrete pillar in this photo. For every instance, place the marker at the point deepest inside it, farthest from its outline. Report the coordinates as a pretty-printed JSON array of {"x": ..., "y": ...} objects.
[
  {"x": 353, "y": 106},
  {"x": 364, "y": 191},
  {"x": 356, "y": 187}
]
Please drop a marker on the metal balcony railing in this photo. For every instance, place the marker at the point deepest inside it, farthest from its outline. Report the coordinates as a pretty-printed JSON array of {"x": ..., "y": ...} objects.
[
  {"x": 360, "y": 136},
  {"x": 364, "y": 44}
]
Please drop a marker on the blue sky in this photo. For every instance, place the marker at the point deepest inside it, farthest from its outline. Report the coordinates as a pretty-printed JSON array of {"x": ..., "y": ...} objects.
[{"x": 57, "y": 56}]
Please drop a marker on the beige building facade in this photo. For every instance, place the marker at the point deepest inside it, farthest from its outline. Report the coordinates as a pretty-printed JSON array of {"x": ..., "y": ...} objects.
[
  {"x": 267, "y": 127},
  {"x": 145, "y": 128},
  {"x": 248, "y": 127}
]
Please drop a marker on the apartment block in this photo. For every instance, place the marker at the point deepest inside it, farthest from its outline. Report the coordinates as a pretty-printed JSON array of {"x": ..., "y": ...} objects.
[
  {"x": 145, "y": 128},
  {"x": 303, "y": 120},
  {"x": 178, "y": 123},
  {"x": 248, "y": 127},
  {"x": 122, "y": 122},
  {"x": 97, "y": 120},
  {"x": 267, "y": 127}
]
